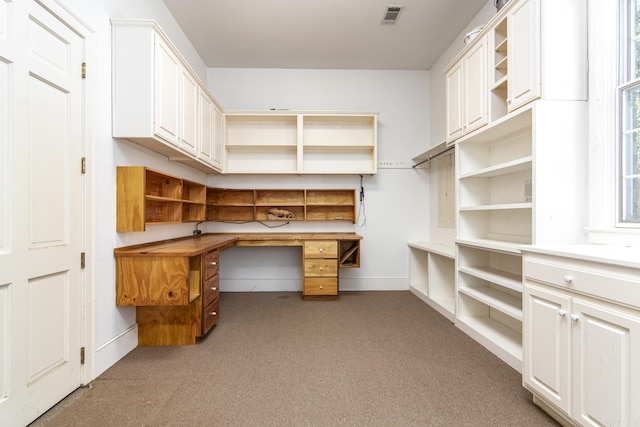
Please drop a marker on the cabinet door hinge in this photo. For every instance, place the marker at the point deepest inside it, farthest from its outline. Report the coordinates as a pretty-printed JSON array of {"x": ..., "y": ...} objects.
[
  {"x": 83, "y": 165},
  {"x": 84, "y": 70},
  {"x": 82, "y": 260},
  {"x": 82, "y": 355}
]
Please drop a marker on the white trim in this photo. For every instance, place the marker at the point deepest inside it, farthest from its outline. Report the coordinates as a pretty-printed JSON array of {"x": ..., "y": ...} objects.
[
  {"x": 115, "y": 349},
  {"x": 295, "y": 285}
]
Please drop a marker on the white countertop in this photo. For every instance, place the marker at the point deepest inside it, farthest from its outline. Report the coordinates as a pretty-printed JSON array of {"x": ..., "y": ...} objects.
[{"x": 627, "y": 256}]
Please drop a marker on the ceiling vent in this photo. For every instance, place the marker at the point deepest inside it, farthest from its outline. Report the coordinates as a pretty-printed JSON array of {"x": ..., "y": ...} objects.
[{"x": 391, "y": 14}]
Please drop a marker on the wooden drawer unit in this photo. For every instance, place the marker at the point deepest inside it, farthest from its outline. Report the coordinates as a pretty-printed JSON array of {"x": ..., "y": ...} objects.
[
  {"x": 321, "y": 249},
  {"x": 320, "y": 286},
  {"x": 211, "y": 289},
  {"x": 211, "y": 261},
  {"x": 320, "y": 269},
  {"x": 210, "y": 316}
]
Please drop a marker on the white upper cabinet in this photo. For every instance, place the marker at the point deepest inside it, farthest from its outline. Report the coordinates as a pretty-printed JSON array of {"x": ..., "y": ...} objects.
[
  {"x": 157, "y": 97},
  {"x": 466, "y": 87},
  {"x": 515, "y": 60},
  {"x": 210, "y": 132}
]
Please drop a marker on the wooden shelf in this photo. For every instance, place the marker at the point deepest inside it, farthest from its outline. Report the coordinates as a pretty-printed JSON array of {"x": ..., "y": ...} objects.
[
  {"x": 292, "y": 205},
  {"x": 145, "y": 196}
]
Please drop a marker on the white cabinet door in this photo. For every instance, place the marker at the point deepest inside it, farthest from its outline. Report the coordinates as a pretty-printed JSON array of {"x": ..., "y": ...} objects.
[
  {"x": 546, "y": 334},
  {"x": 167, "y": 93},
  {"x": 606, "y": 368},
  {"x": 524, "y": 54},
  {"x": 455, "y": 102},
  {"x": 189, "y": 90},
  {"x": 206, "y": 128},
  {"x": 475, "y": 87},
  {"x": 218, "y": 142}
]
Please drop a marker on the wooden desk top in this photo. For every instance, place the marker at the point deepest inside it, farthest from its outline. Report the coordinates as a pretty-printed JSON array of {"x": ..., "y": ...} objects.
[{"x": 195, "y": 245}]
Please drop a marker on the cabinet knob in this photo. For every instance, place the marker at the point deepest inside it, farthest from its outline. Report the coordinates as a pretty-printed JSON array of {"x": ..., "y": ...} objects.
[
  {"x": 574, "y": 317},
  {"x": 567, "y": 278},
  {"x": 213, "y": 313},
  {"x": 213, "y": 289},
  {"x": 214, "y": 263},
  {"x": 321, "y": 268},
  {"x": 320, "y": 286},
  {"x": 321, "y": 250},
  {"x": 562, "y": 313}
]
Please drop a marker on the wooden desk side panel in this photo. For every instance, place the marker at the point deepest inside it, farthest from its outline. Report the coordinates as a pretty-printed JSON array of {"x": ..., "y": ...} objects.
[
  {"x": 149, "y": 281},
  {"x": 169, "y": 325},
  {"x": 130, "y": 190}
]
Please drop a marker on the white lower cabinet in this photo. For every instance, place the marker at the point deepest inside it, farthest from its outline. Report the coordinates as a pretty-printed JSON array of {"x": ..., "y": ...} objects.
[{"x": 581, "y": 347}]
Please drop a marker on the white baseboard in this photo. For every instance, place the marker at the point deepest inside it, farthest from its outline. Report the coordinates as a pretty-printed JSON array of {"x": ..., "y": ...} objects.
[
  {"x": 295, "y": 285},
  {"x": 115, "y": 349}
]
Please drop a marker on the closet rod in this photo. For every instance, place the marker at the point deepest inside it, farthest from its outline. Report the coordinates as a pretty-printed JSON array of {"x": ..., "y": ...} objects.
[{"x": 434, "y": 156}]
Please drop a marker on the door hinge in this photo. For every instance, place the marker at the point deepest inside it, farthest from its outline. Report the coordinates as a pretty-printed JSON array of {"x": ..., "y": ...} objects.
[
  {"x": 82, "y": 355},
  {"x": 83, "y": 165},
  {"x": 82, "y": 260},
  {"x": 84, "y": 70}
]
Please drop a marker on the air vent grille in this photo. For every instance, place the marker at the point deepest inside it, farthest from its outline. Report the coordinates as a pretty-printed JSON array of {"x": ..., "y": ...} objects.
[{"x": 391, "y": 14}]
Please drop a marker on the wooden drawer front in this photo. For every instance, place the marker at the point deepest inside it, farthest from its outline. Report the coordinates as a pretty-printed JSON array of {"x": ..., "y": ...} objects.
[
  {"x": 211, "y": 262},
  {"x": 578, "y": 278},
  {"x": 211, "y": 289},
  {"x": 320, "y": 268},
  {"x": 210, "y": 315},
  {"x": 321, "y": 249},
  {"x": 320, "y": 286}
]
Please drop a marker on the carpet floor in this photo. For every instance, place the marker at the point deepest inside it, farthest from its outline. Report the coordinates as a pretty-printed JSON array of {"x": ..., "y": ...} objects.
[{"x": 368, "y": 359}]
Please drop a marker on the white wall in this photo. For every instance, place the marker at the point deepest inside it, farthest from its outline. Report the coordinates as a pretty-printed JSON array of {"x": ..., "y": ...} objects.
[{"x": 396, "y": 200}]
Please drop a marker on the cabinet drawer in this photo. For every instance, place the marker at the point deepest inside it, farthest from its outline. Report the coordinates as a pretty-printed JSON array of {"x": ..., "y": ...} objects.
[
  {"x": 211, "y": 289},
  {"x": 211, "y": 260},
  {"x": 320, "y": 268},
  {"x": 584, "y": 279},
  {"x": 210, "y": 315},
  {"x": 321, "y": 249},
  {"x": 320, "y": 286}
]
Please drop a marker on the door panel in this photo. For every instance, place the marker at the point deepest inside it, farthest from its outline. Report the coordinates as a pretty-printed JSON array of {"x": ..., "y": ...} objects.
[
  {"x": 607, "y": 349},
  {"x": 41, "y": 208}
]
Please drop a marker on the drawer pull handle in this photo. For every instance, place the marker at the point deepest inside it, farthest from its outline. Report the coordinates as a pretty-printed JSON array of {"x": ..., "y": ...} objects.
[
  {"x": 321, "y": 268},
  {"x": 213, "y": 289},
  {"x": 321, "y": 250},
  {"x": 320, "y": 286},
  {"x": 574, "y": 317},
  {"x": 213, "y": 313},
  {"x": 567, "y": 278},
  {"x": 214, "y": 263},
  {"x": 562, "y": 313}
]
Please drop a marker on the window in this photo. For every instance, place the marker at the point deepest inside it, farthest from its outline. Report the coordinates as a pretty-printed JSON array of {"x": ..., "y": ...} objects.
[{"x": 630, "y": 113}]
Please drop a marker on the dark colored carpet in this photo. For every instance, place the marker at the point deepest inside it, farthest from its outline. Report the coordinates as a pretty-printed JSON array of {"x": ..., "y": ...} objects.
[{"x": 368, "y": 359}]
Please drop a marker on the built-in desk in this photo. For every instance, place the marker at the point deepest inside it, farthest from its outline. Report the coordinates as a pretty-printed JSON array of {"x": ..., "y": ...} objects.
[{"x": 174, "y": 284}]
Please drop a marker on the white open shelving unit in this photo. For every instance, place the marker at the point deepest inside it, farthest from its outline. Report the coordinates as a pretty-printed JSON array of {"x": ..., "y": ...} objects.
[{"x": 288, "y": 142}]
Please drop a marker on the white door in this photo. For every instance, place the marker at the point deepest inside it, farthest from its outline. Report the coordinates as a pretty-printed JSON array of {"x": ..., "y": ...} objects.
[
  {"x": 189, "y": 113},
  {"x": 475, "y": 86},
  {"x": 455, "y": 99},
  {"x": 524, "y": 53},
  {"x": 546, "y": 345},
  {"x": 606, "y": 367},
  {"x": 41, "y": 205},
  {"x": 167, "y": 93}
]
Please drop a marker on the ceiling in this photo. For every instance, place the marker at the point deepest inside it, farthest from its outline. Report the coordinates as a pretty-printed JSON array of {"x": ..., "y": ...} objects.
[{"x": 322, "y": 34}]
